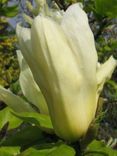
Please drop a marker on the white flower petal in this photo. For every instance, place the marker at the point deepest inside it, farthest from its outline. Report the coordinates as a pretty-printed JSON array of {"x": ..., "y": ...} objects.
[
  {"x": 14, "y": 101},
  {"x": 104, "y": 72},
  {"x": 20, "y": 58},
  {"x": 80, "y": 38},
  {"x": 24, "y": 37},
  {"x": 29, "y": 87}
]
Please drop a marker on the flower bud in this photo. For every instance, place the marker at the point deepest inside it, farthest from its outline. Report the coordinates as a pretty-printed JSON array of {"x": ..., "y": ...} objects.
[{"x": 63, "y": 60}]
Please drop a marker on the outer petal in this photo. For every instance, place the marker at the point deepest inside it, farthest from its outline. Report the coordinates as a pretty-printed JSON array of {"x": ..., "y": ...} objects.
[
  {"x": 14, "y": 101},
  {"x": 104, "y": 72},
  {"x": 56, "y": 15},
  {"x": 70, "y": 99},
  {"x": 24, "y": 37},
  {"x": 80, "y": 37},
  {"x": 29, "y": 87}
]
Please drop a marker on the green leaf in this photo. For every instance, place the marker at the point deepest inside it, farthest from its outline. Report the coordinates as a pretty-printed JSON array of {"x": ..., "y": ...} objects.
[
  {"x": 38, "y": 119},
  {"x": 6, "y": 116},
  {"x": 62, "y": 150},
  {"x": 106, "y": 8},
  {"x": 9, "y": 151},
  {"x": 98, "y": 148},
  {"x": 25, "y": 136},
  {"x": 33, "y": 152},
  {"x": 15, "y": 87},
  {"x": 9, "y": 11},
  {"x": 3, "y": 1},
  {"x": 56, "y": 150}
]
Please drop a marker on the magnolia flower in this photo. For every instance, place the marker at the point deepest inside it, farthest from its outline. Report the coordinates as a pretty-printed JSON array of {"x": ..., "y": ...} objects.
[{"x": 60, "y": 51}]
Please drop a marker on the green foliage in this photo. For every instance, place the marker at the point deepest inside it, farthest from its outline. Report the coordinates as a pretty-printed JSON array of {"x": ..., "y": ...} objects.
[
  {"x": 111, "y": 90},
  {"x": 8, "y": 11},
  {"x": 98, "y": 148},
  {"x": 9, "y": 69},
  {"x": 9, "y": 151},
  {"x": 24, "y": 136},
  {"x": 38, "y": 119},
  {"x": 55, "y": 150},
  {"x": 106, "y": 8},
  {"x": 6, "y": 116},
  {"x": 8, "y": 62},
  {"x": 106, "y": 46}
]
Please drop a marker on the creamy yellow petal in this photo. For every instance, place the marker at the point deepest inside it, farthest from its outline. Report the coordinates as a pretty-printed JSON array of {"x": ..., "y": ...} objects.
[
  {"x": 80, "y": 37},
  {"x": 70, "y": 99},
  {"x": 24, "y": 37},
  {"x": 29, "y": 87},
  {"x": 14, "y": 101},
  {"x": 104, "y": 72}
]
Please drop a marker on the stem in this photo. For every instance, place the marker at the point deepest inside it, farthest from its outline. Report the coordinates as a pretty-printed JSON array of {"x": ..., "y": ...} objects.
[
  {"x": 61, "y": 4},
  {"x": 77, "y": 148}
]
